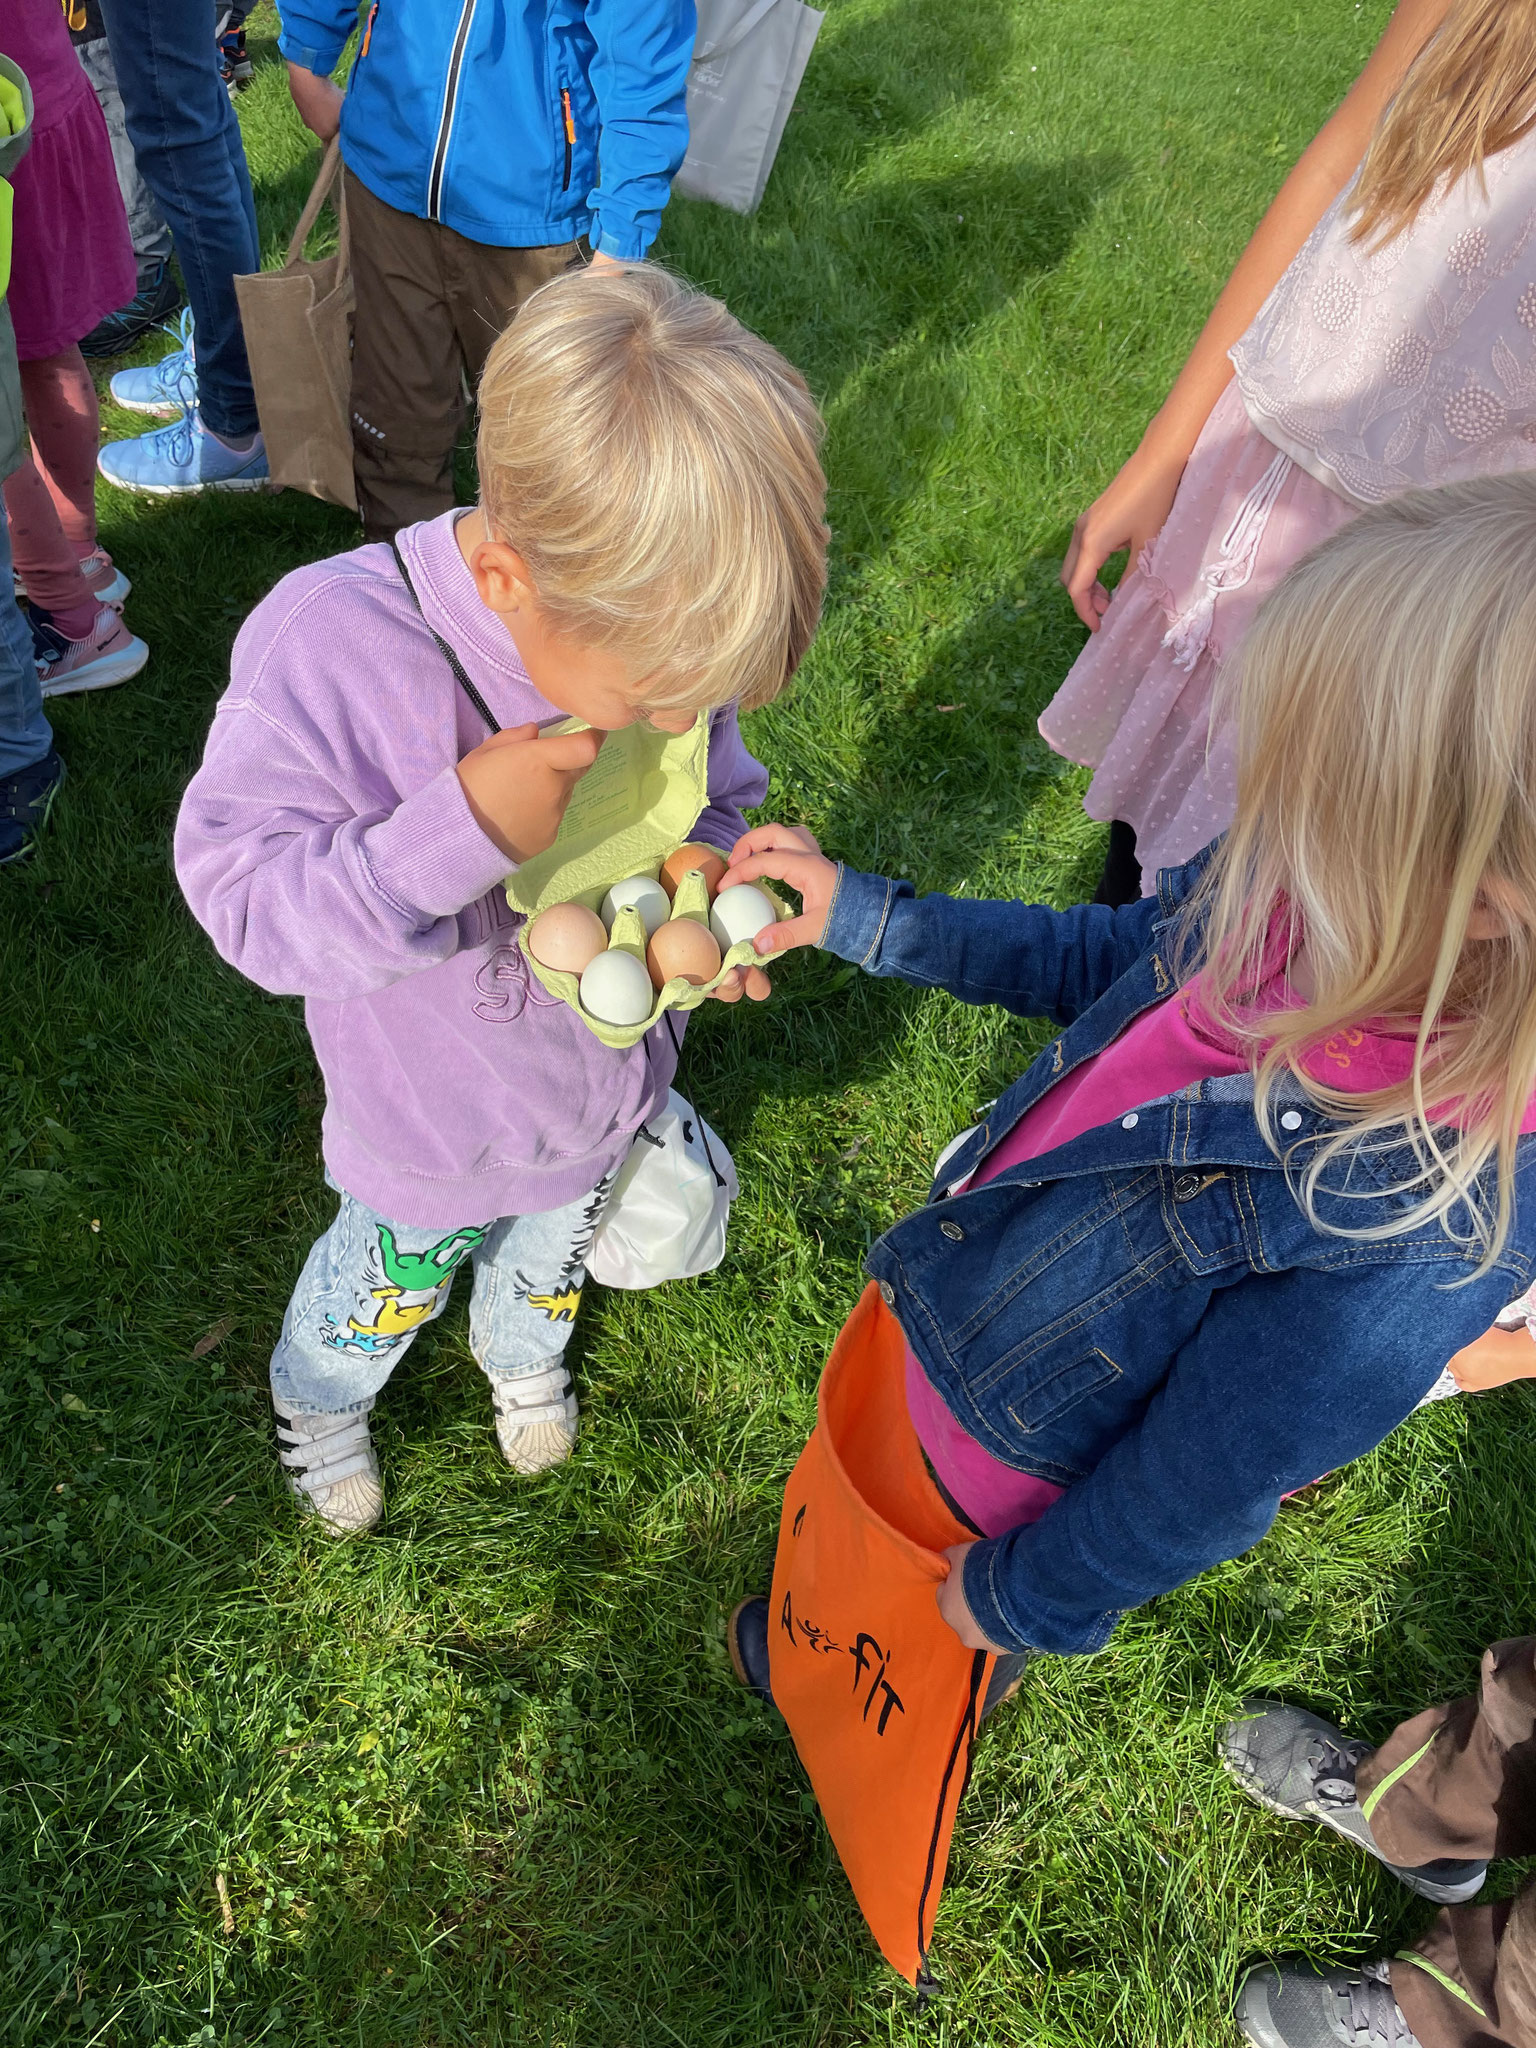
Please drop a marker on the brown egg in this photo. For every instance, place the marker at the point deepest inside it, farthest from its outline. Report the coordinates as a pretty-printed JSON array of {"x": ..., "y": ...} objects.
[
  {"x": 682, "y": 947},
  {"x": 567, "y": 937},
  {"x": 691, "y": 856}
]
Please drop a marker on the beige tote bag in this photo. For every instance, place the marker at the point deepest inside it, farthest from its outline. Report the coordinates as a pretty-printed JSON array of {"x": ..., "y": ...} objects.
[{"x": 298, "y": 336}]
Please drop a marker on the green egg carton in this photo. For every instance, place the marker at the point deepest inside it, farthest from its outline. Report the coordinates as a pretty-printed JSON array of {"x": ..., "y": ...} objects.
[{"x": 634, "y": 807}]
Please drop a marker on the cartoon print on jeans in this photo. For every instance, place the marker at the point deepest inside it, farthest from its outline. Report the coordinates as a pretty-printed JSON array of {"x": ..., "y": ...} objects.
[
  {"x": 417, "y": 1272},
  {"x": 560, "y": 1304},
  {"x": 426, "y": 1273},
  {"x": 558, "y": 1308}
]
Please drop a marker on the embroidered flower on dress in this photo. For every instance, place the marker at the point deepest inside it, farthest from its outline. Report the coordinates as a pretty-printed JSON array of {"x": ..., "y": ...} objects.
[
  {"x": 1408, "y": 358},
  {"x": 1335, "y": 303},
  {"x": 1468, "y": 252},
  {"x": 1473, "y": 414},
  {"x": 1527, "y": 307}
]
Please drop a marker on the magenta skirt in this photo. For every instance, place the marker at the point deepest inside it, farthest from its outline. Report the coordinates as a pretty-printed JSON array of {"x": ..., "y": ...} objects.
[{"x": 72, "y": 260}]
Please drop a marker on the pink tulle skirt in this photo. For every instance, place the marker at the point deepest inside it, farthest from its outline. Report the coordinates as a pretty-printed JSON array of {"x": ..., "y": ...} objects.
[{"x": 1136, "y": 704}]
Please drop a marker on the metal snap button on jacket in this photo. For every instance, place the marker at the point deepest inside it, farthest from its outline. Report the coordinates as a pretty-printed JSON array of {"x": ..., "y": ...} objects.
[
  {"x": 1187, "y": 1186},
  {"x": 1291, "y": 1121},
  {"x": 1129, "y": 1123},
  {"x": 952, "y": 1231},
  {"x": 887, "y": 1294}
]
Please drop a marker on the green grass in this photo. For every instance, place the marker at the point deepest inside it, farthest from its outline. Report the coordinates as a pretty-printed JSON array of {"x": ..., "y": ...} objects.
[{"x": 485, "y": 1779}]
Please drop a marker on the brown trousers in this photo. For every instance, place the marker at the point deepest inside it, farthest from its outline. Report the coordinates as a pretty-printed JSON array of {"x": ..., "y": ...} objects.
[
  {"x": 429, "y": 304},
  {"x": 1461, "y": 1781}
]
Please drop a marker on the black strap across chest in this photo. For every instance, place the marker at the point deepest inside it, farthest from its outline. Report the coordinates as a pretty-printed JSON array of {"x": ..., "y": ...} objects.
[{"x": 444, "y": 649}]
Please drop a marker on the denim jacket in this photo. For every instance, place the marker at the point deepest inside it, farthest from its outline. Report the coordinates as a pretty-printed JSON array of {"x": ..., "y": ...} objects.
[{"x": 1145, "y": 1315}]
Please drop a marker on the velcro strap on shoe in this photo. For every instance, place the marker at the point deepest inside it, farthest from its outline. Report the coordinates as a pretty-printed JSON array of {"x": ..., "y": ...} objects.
[
  {"x": 525, "y": 1418},
  {"x": 316, "y": 1455}
]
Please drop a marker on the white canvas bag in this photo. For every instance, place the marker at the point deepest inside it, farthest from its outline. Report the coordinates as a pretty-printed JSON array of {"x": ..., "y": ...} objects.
[
  {"x": 666, "y": 1217},
  {"x": 748, "y": 61}
]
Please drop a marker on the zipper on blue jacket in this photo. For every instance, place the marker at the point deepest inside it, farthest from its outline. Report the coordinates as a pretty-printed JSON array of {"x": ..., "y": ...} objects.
[
  {"x": 445, "y": 120},
  {"x": 570, "y": 135}
]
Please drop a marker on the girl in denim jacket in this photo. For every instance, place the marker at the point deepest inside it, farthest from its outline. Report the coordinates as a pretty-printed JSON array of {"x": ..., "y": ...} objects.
[{"x": 1277, "y": 1168}]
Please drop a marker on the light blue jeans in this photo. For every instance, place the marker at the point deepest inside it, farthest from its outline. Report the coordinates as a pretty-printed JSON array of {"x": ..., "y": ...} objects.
[
  {"x": 369, "y": 1285},
  {"x": 25, "y": 734}
]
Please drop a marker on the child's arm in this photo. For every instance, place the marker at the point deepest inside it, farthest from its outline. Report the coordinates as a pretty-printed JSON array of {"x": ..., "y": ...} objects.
[
  {"x": 1021, "y": 956},
  {"x": 308, "y": 894},
  {"x": 1241, "y": 1420},
  {"x": 1136, "y": 504},
  {"x": 639, "y": 79}
]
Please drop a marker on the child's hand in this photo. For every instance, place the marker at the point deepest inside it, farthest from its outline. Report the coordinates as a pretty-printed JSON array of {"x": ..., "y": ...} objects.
[
  {"x": 319, "y": 101},
  {"x": 1497, "y": 1357},
  {"x": 518, "y": 785},
  {"x": 1129, "y": 513},
  {"x": 787, "y": 853},
  {"x": 743, "y": 981},
  {"x": 953, "y": 1607}
]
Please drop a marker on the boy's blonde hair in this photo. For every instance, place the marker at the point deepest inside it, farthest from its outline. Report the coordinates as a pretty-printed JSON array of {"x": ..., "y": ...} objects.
[
  {"x": 656, "y": 466},
  {"x": 1385, "y": 700},
  {"x": 1469, "y": 93}
]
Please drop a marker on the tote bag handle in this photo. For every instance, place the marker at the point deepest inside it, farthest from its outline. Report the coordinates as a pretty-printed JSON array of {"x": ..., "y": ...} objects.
[
  {"x": 723, "y": 45},
  {"x": 326, "y": 177}
]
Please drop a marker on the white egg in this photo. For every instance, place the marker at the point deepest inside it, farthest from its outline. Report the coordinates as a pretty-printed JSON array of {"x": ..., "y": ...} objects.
[
  {"x": 616, "y": 989},
  {"x": 648, "y": 897},
  {"x": 740, "y": 913}
]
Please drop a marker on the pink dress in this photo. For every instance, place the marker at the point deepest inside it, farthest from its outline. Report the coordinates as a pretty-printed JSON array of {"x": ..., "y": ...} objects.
[
  {"x": 72, "y": 260},
  {"x": 1364, "y": 374}
]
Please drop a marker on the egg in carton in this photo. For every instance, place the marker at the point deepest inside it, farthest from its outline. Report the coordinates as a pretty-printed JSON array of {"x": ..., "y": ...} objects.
[{"x": 624, "y": 889}]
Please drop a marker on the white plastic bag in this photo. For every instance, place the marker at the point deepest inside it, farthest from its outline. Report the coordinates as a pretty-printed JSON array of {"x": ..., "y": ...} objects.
[
  {"x": 666, "y": 1217},
  {"x": 748, "y": 60}
]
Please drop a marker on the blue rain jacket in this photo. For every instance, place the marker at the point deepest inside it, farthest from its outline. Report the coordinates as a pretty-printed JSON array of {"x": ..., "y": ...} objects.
[
  {"x": 1145, "y": 1315},
  {"x": 489, "y": 115}
]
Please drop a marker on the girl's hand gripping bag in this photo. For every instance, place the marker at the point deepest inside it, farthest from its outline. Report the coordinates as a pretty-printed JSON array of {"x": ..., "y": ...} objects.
[{"x": 881, "y": 1696}]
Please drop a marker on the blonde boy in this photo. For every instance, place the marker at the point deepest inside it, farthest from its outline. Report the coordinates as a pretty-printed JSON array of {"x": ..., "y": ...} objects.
[{"x": 649, "y": 544}]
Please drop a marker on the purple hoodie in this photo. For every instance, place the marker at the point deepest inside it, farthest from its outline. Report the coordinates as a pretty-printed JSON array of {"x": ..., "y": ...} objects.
[{"x": 326, "y": 847}]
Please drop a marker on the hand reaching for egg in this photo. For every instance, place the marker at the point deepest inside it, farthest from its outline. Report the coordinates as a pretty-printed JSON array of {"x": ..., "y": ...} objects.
[
  {"x": 786, "y": 853},
  {"x": 518, "y": 784}
]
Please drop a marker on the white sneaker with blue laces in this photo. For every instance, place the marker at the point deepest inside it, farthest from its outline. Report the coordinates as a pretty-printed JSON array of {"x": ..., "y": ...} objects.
[
  {"x": 157, "y": 388},
  {"x": 185, "y": 456}
]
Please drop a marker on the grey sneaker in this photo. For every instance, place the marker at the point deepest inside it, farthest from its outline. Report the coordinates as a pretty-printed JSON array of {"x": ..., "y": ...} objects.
[
  {"x": 535, "y": 1418},
  {"x": 333, "y": 1469},
  {"x": 1292, "y": 2005},
  {"x": 1303, "y": 1767}
]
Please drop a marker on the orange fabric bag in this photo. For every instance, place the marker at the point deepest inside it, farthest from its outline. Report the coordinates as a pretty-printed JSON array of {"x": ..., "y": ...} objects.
[{"x": 880, "y": 1694}]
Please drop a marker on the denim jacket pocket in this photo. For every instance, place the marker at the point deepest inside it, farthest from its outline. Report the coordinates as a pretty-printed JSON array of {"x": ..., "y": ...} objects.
[{"x": 1061, "y": 1388}]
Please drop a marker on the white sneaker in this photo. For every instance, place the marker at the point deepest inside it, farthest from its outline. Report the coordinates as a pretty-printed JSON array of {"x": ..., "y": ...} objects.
[
  {"x": 535, "y": 1417},
  {"x": 332, "y": 1468}
]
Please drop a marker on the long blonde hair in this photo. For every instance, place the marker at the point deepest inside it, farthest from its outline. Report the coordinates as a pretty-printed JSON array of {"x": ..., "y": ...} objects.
[
  {"x": 1469, "y": 93},
  {"x": 656, "y": 464},
  {"x": 1385, "y": 702}
]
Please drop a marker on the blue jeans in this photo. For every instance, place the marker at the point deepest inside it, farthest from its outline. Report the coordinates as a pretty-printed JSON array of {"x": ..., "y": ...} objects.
[
  {"x": 187, "y": 143},
  {"x": 25, "y": 734},
  {"x": 369, "y": 1285}
]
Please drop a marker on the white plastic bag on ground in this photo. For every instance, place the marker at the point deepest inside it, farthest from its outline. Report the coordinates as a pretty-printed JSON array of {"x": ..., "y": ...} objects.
[{"x": 666, "y": 1217}]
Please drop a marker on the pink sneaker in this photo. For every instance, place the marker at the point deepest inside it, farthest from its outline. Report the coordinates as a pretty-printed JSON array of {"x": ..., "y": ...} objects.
[
  {"x": 104, "y": 580},
  {"x": 109, "y": 654},
  {"x": 107, "y": 582}
]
